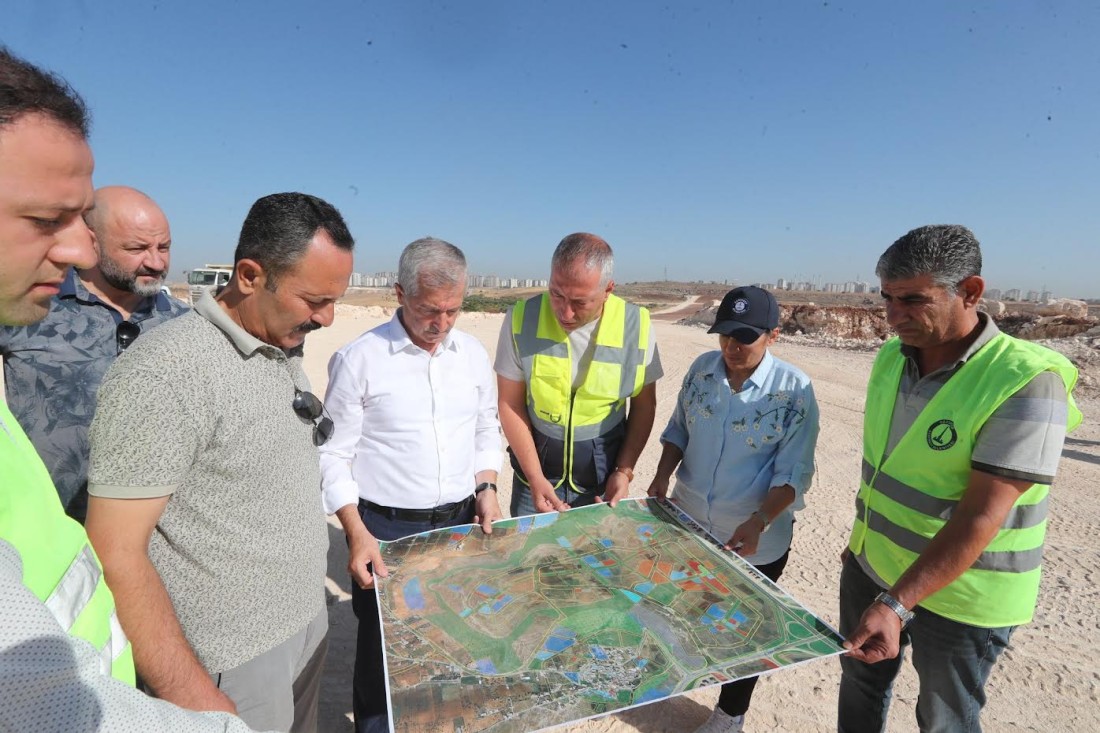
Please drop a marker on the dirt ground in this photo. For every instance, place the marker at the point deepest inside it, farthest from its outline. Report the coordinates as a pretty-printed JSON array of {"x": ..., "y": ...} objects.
[{"x": 1048, "y": 680}]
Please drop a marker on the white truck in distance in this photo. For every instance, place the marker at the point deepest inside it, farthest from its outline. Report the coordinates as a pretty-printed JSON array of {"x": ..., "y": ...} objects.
[{"x": 204, "y": 277}]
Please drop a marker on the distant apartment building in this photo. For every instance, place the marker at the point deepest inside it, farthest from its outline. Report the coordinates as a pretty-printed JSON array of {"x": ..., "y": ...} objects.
[
  {"x": 1032, "y": 296},
  {"x": 782, "y": 284},
  {"x": 1012, "y": 294},
  {"x": 993, "y": 294}
]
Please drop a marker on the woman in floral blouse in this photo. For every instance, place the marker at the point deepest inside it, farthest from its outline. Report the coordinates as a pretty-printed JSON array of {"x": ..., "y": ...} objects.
[{"x": 743, "y": 435}]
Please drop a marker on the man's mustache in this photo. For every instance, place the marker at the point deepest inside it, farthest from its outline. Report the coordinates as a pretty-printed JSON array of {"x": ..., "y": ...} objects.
[{"x": 308, "y": 326}]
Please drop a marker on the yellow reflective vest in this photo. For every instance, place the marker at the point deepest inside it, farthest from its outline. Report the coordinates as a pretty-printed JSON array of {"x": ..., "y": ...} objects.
[
  {"x": 578, "y": 435},
  {"x": 907, "y": 498},
  {"x": 59, "y": 566}
]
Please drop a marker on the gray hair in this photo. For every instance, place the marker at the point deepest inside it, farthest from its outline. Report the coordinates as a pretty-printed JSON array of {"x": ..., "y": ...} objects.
[
  {"x": 432, "y": 263},
  {"x": 586, "y": 249},
  {"x": 950, "y": 253}
]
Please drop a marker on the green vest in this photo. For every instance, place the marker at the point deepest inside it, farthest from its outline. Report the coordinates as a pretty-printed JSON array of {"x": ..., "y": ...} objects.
[
  {"x": 578, "y": 435},
  {"x": 906, "y": 499},
  {"x": 59, "y": 566}
]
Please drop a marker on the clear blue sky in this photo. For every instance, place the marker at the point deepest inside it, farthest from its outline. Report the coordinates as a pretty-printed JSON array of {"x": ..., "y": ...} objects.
[{"x": 738, "y": 140}]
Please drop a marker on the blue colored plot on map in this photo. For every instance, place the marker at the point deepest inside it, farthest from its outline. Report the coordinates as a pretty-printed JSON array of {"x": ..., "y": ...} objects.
[{"x": 414, "y": 598}]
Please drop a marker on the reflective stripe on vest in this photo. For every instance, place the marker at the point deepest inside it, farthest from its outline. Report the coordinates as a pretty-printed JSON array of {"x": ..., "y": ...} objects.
[
  {"x": 908, "y": 496},
  {"x": 74, "y": 591},
  {"x": 59, "y": 566},
  {"x": 616, "y": 372}
]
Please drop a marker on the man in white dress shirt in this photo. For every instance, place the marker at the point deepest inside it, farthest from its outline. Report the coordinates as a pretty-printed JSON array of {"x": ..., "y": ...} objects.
[{"x": 416, "y": 444}]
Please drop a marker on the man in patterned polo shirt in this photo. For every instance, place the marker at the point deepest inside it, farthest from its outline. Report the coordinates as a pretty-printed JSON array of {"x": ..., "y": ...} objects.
[{"x": 53, "y": 368}]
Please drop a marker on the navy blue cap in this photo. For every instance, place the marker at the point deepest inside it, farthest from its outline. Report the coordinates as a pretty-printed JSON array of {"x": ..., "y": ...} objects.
[{"x": 750, "y": 308}]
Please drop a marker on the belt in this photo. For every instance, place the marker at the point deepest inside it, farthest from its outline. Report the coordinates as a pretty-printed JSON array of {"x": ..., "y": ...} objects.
[{"x": 436, "y": 515}]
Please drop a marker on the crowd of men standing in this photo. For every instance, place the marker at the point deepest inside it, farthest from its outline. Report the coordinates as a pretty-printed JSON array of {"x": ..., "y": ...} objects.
[{"x": 190, "y": 446}]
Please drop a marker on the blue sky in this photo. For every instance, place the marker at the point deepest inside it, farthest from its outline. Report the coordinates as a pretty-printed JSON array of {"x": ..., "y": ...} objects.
[{"x": 740, "y": 140}]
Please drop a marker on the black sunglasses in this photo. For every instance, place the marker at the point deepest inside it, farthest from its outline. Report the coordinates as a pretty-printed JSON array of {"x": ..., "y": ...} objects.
[
  {"x": 308, "y": 407},
  {"x": 744, "y": 336},
  {"x": 126, "y": 333}
]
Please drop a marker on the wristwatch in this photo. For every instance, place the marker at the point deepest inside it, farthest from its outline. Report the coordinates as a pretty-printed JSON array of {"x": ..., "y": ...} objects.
[
  {"x": 625, "y": 471},
  {"x": 763, "y": 518},
  {"x": 892, "y": 603},
  {"x": 483, "y": 486}
]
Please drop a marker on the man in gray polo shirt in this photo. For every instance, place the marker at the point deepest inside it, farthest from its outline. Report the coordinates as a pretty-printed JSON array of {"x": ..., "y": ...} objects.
[
  {"x": 52, "y": 368},
  {"x": 210, "y": 526}
]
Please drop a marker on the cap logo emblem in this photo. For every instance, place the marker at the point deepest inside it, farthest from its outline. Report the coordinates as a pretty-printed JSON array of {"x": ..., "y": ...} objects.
[{"x": 740, "y": 306}]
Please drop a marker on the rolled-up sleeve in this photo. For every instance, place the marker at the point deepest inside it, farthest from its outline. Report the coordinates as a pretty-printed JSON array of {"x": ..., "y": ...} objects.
[
  {"x": 487, "y": 448},
  {"x": 794, "y": 460},
  {"x": 344, "y": 403}
]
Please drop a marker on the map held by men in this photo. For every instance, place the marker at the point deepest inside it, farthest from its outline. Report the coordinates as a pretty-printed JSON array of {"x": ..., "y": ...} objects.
[{"x": 556, "y": 618}]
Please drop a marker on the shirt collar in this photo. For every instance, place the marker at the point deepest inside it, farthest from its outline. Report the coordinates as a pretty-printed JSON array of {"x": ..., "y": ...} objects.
[
  {"x": 245, "y": 342},
  {"x": 73, "y": 287},
  {"x": 400, "y": 341},
  {"x": 988, "y": 332},
  {"x": 758, "y": 376}
]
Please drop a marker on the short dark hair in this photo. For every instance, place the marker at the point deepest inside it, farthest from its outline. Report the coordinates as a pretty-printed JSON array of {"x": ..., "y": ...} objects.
[
  {"x": 25, "y": 89},
  {"x": 950, "y": 253},
  {"x": 279, "y": 228}
]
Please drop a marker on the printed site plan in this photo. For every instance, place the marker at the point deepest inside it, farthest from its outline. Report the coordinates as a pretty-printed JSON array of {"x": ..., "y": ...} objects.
[{"x": 556, "y": 618}]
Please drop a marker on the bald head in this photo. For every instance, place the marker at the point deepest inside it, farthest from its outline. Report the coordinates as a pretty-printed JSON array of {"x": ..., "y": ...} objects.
[{"x": 132, "y": 240}]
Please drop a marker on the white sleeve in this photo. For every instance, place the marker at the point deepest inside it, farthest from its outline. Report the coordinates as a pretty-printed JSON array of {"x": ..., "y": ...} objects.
[
  {"x": 344, "y": 403},
  {"x": 487, "y": 448},
  {"x": 51, "y": 682}
]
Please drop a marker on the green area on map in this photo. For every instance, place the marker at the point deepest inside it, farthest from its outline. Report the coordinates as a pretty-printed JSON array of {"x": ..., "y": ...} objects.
[{"x": 561, "y": 617}]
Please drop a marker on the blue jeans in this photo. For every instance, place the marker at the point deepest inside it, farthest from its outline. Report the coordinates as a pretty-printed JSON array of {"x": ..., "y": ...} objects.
[
  {"x": 953, "y": 661},
  {"x": 370, "y": 705},
  {"x": 524, "y": 505}
]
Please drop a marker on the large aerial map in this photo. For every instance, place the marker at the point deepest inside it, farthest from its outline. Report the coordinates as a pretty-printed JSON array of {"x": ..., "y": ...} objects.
[{"x": 560, "y": 617}]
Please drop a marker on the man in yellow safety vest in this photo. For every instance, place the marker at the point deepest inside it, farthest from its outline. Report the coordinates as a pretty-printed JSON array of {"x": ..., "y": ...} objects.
[
  {"x": 66, "y": 665},
  {"x": 963, "y": 430},
  {"x": 576, "y": 381}
]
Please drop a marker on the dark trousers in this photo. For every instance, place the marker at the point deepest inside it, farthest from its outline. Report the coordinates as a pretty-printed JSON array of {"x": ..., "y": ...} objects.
[
  {"x": 735, "y": 696},
  {"x": 953, "y": 662},
  {"x": 369, "y": 703}
]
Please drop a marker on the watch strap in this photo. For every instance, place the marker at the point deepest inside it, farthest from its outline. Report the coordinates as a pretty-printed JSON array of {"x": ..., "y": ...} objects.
[
  {"x": 763, "y": 518},
  {"x": 483, "y": 486},
  {"x": 625, "y": 471},
  {"x": 894, "y": 605}
]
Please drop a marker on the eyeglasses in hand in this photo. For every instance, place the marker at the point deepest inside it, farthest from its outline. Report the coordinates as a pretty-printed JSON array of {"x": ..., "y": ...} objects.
[
  {"x": 126, "y": 333},
  {"x": 308, "y": 407}
]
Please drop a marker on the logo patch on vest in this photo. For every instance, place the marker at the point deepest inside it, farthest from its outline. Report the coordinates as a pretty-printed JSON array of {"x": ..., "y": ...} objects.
[{"x": 942, "y": 435}]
